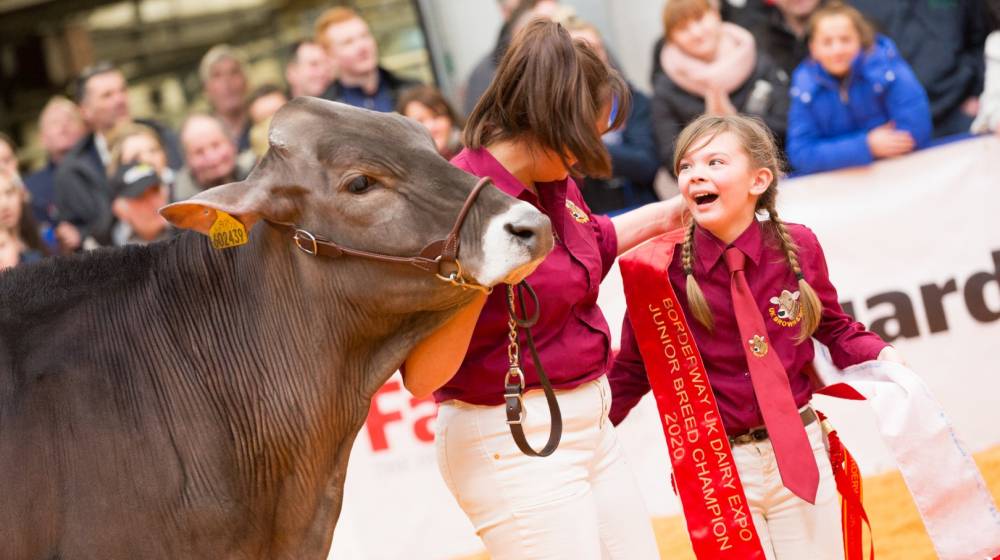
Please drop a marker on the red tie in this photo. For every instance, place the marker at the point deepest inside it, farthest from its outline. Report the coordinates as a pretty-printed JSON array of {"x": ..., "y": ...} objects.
[{"x": 794, "y": 455}]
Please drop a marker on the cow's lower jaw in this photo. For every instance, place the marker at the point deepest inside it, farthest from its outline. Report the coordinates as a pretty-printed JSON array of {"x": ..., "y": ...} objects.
[{"x": 514, "y": 244}]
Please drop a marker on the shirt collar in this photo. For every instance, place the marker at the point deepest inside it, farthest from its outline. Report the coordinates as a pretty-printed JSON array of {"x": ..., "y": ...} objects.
[
  {"x": 551, "y": 197},
  {"x": 482, "y": 164},
  {"x": 709, "y": 248}
]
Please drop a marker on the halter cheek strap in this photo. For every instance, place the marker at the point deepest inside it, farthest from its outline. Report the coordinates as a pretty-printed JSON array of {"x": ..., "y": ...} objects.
[{"x": 438, "y": 257}]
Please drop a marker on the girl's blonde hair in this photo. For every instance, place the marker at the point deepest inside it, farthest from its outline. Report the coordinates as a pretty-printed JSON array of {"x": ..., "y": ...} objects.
[{"x": 759, "y": 145}]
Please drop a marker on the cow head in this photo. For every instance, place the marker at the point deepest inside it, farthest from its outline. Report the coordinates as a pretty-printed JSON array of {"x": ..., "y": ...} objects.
[{"x": 374, "y": 182}]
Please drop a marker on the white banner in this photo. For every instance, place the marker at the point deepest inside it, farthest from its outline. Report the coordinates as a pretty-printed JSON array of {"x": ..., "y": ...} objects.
[{"x": 913, "y": 246}]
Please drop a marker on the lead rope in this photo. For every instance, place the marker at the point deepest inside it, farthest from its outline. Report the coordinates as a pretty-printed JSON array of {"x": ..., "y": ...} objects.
[{"x": 514, "y": 380}]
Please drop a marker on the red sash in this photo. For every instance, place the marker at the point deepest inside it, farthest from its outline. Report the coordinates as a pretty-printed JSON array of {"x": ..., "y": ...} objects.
[
  {"x": 715, "y": 508},
  {"x": 705, "y": 478}
]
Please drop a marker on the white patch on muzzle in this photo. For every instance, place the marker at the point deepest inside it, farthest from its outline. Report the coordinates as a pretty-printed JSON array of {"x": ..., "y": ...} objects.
[{"x": 508, "y": 257}]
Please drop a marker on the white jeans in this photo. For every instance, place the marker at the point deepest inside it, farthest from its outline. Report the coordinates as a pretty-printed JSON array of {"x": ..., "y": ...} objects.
[
  {"x": 789, "y": 527},
  {"x": 580, "y": 503}
]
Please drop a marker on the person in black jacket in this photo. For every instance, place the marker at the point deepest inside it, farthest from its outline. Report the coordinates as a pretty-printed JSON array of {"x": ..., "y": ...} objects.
[
  {"x": 361, "y": 81},
  {"x": 943, "y": 42},
  {"x": 710, "y": 66},
  {"x": 82, "y": 191},
  {"x": 633, "y": 151}
]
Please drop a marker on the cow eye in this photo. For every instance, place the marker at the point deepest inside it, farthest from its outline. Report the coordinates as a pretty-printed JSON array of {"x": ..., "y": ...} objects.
[{"x": 360, "y": 184}]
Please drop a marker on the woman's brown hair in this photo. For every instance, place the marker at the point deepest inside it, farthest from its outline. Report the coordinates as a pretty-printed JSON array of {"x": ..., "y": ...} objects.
[
  {"x": 762, "y": 150},
  {"x": 430, "y": 97},
  {"x": 835, "y": 8},
  {"x": 550, "y": 89},
  {"x": 678, "y": 12}
]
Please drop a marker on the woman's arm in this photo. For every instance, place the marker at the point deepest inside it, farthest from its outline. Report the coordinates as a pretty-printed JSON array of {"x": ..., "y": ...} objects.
[
  {"x": 646, "y": 222},
  {"x": 436, "y": 358}
]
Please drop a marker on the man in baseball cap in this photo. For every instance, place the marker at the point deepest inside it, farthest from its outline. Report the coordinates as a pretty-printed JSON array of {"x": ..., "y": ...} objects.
[{"x": 138, "y": 196}]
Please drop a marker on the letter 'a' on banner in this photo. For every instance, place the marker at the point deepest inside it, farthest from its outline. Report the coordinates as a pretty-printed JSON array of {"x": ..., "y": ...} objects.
[{"x": 715, "y": 507}]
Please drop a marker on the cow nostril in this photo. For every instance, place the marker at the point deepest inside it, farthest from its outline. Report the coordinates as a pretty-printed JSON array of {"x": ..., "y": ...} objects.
[{"x": 521, "y": 232}]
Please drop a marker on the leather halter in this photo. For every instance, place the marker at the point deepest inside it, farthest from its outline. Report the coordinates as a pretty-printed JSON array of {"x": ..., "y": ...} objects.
[{"x": 439, "y": 257}]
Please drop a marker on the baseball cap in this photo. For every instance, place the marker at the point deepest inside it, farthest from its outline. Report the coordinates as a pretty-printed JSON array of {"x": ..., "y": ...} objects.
[{"x": 133, "y": 180}]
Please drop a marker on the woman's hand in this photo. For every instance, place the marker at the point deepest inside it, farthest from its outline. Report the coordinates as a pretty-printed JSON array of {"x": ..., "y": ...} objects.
[
  {"x": 717, "y": 103},
  {"x": 646, "y": 222},
  {"x": 890, "y": 354}
]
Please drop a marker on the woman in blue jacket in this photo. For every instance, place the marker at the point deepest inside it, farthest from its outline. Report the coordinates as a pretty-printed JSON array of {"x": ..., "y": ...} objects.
[{"x": 855, "y": 99}]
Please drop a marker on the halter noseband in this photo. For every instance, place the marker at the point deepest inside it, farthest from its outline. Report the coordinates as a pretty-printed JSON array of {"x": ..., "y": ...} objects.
[{"x": 439, "y": 257}]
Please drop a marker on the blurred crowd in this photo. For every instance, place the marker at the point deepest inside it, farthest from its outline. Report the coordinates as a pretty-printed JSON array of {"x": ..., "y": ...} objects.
[{"x": 838, "y": 83}]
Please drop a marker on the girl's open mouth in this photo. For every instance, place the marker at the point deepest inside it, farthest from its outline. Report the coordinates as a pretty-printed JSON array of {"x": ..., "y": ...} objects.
[{"x": 706, "y": 198}]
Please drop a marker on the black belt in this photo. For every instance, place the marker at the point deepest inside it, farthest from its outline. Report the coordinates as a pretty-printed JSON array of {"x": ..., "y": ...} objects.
[{"x": 759, "y": 433}]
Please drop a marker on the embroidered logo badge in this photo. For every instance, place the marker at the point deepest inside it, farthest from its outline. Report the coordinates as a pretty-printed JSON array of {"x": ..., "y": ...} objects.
[
  {"x": 574, "y": 210},
  {"x": 788, "y": 312},
  {"x": 758, "y": 346}
]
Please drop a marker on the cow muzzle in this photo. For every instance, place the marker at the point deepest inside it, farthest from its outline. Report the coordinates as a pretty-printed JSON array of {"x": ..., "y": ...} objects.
[{"x": 514, "y": 244}]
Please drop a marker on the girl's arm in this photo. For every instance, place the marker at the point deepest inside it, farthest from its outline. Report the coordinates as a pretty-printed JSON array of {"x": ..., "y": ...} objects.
[
  {"x": 646, "y": 222},
  {"x": 809, "y": 152},
  {"x": 627, "y": 376}
]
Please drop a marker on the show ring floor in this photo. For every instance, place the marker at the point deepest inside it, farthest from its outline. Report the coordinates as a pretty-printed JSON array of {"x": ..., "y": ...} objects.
[{"x": 899, "y": 533}]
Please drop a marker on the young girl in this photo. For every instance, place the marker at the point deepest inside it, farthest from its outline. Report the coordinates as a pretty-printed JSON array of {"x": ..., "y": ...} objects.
[
  {"x": 727, "y": 168},
  {"x": 544, "y": 113},
  {"x": 855, "y": 99}
]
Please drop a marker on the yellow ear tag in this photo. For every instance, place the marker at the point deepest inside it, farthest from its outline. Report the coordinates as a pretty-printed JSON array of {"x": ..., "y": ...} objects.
[{"x": 227, "y": 231}]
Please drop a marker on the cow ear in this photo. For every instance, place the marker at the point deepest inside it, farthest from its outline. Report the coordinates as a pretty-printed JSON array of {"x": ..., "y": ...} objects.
[{"x": 239, "y": 199}]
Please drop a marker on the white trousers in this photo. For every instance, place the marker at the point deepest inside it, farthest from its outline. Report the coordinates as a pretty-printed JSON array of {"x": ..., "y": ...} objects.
[
  {"x": 789, "y": 527},
  {"x": 580, "y": 503}
]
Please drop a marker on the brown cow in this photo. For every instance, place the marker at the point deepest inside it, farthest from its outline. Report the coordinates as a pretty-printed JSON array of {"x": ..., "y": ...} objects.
[{"x": 179, "y": 401}]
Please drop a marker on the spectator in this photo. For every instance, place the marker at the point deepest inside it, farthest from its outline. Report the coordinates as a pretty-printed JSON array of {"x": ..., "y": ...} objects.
[
  {"x": 515, "y": 14},
  {"x": 943, "y": 43},
  {"x": 854, "y": 100},
  {"x": 361, "y": 81},
  {"x": 83, "y": 194},
  {"x": 989, "y": 102},
  {"x": 781, "y": 33},
  {"x": 139, "y": 194},
  {"x": 60, "y": 127},
  {"x": 711, "y": 66},
  {"x": 756, "y": 16},
  {"x": 264, "y": 103},
  {"x": 133, "y": 143},
  {"x": 211, "y": 155},
  {"x": 427, "y": 106},
  {"x": 309, "y": 71},
  {"x": 140, "y": 185},
  {"x": 633, "y": 150},
  {"x": 8, "y": 155},
  {"x": 223, "y": 75},
  {"x": 19, "y": 239}
]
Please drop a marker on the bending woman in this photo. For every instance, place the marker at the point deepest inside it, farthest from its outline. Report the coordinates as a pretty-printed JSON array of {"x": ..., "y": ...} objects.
[{"x": 542, "y": 116}]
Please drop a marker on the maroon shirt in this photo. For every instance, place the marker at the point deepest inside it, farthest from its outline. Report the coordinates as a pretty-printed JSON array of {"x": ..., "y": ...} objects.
[
  {"x": 572, "y": 335},
  {"x": 769, "y": 276}
]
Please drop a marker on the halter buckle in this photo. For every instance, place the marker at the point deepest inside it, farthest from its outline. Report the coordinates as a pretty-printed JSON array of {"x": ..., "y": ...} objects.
[{"x": 301, "y": 234}]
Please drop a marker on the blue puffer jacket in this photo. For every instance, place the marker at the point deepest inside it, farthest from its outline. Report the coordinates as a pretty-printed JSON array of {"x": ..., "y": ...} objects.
[{"x": 828, "y": 121}]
